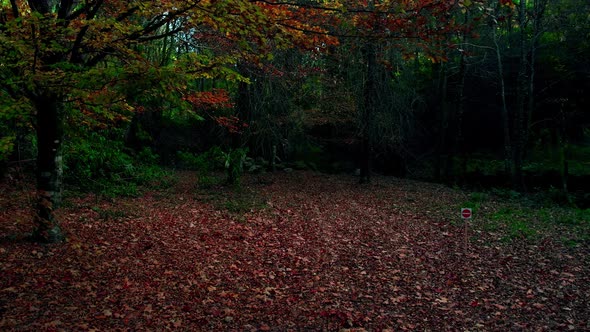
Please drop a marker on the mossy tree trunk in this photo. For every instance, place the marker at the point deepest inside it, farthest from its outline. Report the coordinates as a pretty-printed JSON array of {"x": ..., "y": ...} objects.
[{"x": 50, "y": 113}]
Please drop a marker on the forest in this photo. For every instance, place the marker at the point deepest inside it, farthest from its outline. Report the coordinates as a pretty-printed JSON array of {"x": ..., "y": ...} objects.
[{"x": 299, "y": 165}]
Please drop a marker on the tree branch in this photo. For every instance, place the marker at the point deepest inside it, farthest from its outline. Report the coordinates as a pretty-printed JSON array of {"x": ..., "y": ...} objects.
[
  {"x": 91, "y": 13},
  {"x": 160, "y": 36},
  {"x": 65, "y": 6},
  {"x": 356, "y": 10},
  {"x": 14, "y": 8},
  {"x": 40, "y": 6}
]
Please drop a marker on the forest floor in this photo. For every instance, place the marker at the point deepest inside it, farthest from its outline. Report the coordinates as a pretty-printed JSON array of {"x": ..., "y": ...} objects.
[{"x": 295, "y": 252}]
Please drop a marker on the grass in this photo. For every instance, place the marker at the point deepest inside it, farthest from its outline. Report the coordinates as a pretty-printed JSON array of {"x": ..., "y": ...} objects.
[
  {"x": 234, "y": 199},
  {"x": 546, "y": 158},
  {"x": 109, "y": 214},
  {"x": 208, "y": 182},
  {"x": 517, "y": 217},
  {"x": 241, "y": 200},
  {"x": 474, "y": 203},
  {"x": 243, "y": 203}
]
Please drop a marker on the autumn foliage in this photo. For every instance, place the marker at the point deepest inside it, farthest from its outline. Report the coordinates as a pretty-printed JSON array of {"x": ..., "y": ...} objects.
[{"x": 289, "y": 251}]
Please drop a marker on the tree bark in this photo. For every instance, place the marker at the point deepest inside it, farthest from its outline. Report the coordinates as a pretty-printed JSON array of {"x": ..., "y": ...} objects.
[
  {"x": 459, "y": 108},
  {"x": 442, "y": 87},
  {"x": 521, "y": 95},
  {"x": 508, "y": 160},
  {"x": 369, "y": 96},
  {"x": 50, "y": 112},
  {"x": 563, "y": 150}
]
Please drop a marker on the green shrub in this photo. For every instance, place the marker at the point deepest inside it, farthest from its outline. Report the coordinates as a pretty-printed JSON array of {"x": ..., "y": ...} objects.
[
  {"x": 96, "y": 158},
  {"x": 479, "y": 197},
  {"x": 207, "y": 181},
  {"x": 506, "y": 193},
  {"x": 309, "y": 155},
  {"x": 153, "y": 176},
  {"x": 188, "y": 160},
  {"x": 483, "y": 164},
  {"x": 148, "y": 157},
  {"x": 557, "y": 196},
  {"x": 203, "y": 163},
  {"x": 6, "y": 146},
  {"x": 98, "y": 164},
  {"x": 215, "y": 159},
  {"x": 300, "y": 164}
]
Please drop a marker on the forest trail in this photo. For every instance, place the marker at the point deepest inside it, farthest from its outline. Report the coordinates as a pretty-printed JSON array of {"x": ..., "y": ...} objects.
[{"x": 286, "y": 252}]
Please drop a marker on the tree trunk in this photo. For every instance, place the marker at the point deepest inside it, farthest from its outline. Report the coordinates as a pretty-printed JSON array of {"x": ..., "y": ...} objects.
[
  {"x": 529, "y": 85},
  {"x": 457, "y": 148},
  {"x": 442, "y": 86},
  {"x": 508, "y": 160},
  {"x": 539, "y": 7},
  {"x": 365, "y": 170},
  {"x": 563, "y": 150},
  {"x": 273, "y": 158},
  {"x": 521, "y": 95},
  {"x": 369, "y": 98},
  {"x": 50, "y": 111},
  {"x": 459, "y": 105}
]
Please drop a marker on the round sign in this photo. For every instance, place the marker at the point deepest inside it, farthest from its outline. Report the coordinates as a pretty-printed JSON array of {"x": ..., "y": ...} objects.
[{"x": 466, "y": 213}]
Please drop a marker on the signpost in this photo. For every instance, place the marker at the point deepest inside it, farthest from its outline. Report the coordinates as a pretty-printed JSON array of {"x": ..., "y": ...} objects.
[{"x": 466, "y": 213}]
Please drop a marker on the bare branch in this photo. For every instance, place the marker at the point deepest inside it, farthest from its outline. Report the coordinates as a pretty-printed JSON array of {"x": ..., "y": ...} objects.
[{"x": 161, "y": 36}]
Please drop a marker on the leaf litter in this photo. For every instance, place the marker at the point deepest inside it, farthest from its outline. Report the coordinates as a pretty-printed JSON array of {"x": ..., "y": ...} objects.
[{"x": 321, "y": 254}]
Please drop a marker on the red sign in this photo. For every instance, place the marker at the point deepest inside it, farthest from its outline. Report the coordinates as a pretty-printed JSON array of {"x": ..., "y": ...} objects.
[{"x": 466, "y": 213}]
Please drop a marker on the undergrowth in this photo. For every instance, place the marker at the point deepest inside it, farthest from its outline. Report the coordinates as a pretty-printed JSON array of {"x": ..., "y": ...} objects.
[
  {"x": 513, "y": 216},
  {"x": 106, "y": 167}
]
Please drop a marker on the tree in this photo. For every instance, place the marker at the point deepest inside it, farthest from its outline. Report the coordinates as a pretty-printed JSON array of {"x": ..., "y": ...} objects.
[
  {"x": 56, "y": 53},
  {"x": 380, "y": 30},
  {"x": 413, "y": 29},
  {"x": 526, "y": 30},
  {"x": 530, "y": 24}
]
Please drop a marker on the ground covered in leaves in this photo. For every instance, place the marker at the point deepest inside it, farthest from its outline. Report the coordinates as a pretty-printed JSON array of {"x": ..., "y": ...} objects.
[{"x": 291, "y": 252}]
